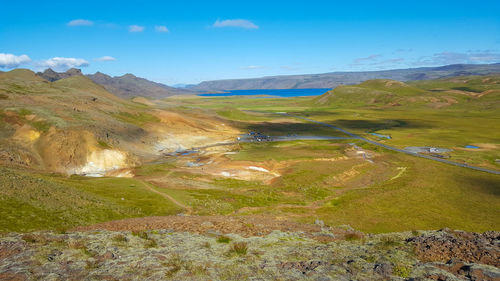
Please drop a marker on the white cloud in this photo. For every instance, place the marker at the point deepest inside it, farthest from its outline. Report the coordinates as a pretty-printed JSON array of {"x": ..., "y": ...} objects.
[
  {"x": 80, "y": 22},
  {"x": 241, "y": 23},
  {"x": 253, "y": 67},
  {"x": 444, "y": 58},
  {"x": 105, "y": 58},
  {"x": 62, "y": 64},
  {"x": 11, "y": 61},
  {"x": 161, "y": 28},
  {"x": 136, "y": 28}
]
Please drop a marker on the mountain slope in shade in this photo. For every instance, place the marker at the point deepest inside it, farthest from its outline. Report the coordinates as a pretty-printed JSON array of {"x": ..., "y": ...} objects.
[
  {"x": 129, "y": 85},
  {"x": 51, "y": 75},
  {"x": 334, "y": 79}
]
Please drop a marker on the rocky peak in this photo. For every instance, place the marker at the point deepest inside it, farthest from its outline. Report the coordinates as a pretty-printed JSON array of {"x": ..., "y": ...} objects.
[
  {"x": 52, "y": 76},
  {"x": 74, "y": 71}
]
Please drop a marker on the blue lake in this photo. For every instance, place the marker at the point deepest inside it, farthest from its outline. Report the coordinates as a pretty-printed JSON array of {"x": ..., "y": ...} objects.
[{"x": 284, "y": 93}]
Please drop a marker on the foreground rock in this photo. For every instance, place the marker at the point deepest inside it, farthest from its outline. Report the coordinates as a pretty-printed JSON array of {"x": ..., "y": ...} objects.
[{"x": 165, "y": 254}]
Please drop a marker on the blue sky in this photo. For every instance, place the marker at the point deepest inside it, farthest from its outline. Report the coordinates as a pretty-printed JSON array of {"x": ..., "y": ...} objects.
[{"x": 191, "y": 41}]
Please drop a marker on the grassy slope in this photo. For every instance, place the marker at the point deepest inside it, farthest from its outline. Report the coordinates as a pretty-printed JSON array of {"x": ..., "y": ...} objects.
[
  {"x": 30, "y": 201},
  {"x": 427, "y": 195}
]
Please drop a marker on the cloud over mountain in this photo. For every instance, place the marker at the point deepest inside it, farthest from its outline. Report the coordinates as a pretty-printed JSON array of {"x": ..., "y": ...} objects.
[
  {"x": 62, "y": 64},
  {"x": 11, "y": 61},
  {"x": 241, "y": 23}
]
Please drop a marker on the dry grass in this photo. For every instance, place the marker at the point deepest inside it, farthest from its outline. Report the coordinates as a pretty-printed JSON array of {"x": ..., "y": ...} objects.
[{"x": 239, "y": 248}]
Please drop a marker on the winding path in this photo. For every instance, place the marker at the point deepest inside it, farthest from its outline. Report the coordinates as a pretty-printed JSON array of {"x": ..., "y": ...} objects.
[{"x": 188, "y": 209}]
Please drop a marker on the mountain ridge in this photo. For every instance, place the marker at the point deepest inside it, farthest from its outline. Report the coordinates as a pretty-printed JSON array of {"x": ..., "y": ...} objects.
[
  {"x": 125, "y": 86},
  {"x": 333, "y": 79}
]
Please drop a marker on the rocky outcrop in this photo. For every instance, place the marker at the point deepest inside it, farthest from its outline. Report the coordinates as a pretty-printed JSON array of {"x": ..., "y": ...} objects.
[
  {"x": 464, "y": 246},
  {"x": 168, "y": 255}
]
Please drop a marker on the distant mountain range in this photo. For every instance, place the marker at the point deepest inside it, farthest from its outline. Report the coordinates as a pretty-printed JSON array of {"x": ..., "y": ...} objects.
[
  {"x": 126, "y": 86},
  {"x": 129, "y": 85},
  {"x": 334, "y": 79}
]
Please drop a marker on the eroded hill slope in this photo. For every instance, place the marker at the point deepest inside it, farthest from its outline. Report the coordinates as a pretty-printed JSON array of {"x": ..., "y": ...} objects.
[{"x": 75, "y": 126}]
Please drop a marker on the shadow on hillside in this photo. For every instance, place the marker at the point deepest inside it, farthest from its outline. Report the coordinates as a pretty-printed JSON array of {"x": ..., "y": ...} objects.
[
  {"x": 312, "y": 114},
  {"x": 286, "y": 128},
  {"x": 480, "y": 183},
  {"x": 379, "y": 124}
]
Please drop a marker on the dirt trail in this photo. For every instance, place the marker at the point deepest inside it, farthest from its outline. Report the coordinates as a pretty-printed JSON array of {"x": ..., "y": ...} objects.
[{"x": 188, "y": 209}]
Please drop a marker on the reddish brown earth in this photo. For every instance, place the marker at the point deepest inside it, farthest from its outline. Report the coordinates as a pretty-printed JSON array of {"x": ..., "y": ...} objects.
[
  {"x": 245, "y": 226},
  {"x": 467, "y": 247}
]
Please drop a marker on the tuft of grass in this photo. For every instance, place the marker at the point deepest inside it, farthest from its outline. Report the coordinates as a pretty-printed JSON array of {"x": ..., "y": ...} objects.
[
  {"x": 174, "y": 264},
  {"x": 206, "y": 245},
  {"x": 119, "y": 238},
  {"x": 75, "y": 244},
  {"x": 151, "y": 243},
  {"x": 141, "y": 234},
  {"x": 91, "y": 264},
  {"x": 30, "y": 238},
  {"x": 388, "y": 242},
  {"x": 352, "y": 236},
  {"x": 239, "y": 248},
  {"x": 80, "y": 245},
  {"x": 223, "y": 239},
  {"x": 415, "y": 233}
]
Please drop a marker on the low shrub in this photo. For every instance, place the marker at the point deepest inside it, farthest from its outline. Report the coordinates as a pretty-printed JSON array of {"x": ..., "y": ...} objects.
[
  {"x": 151, "y": 243},
  {"x": 352, "y": 236},
  {"x": 30, "y": 238},
  {"x": 223, "y": 239},
  {"x": 401, "y": 271}
]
